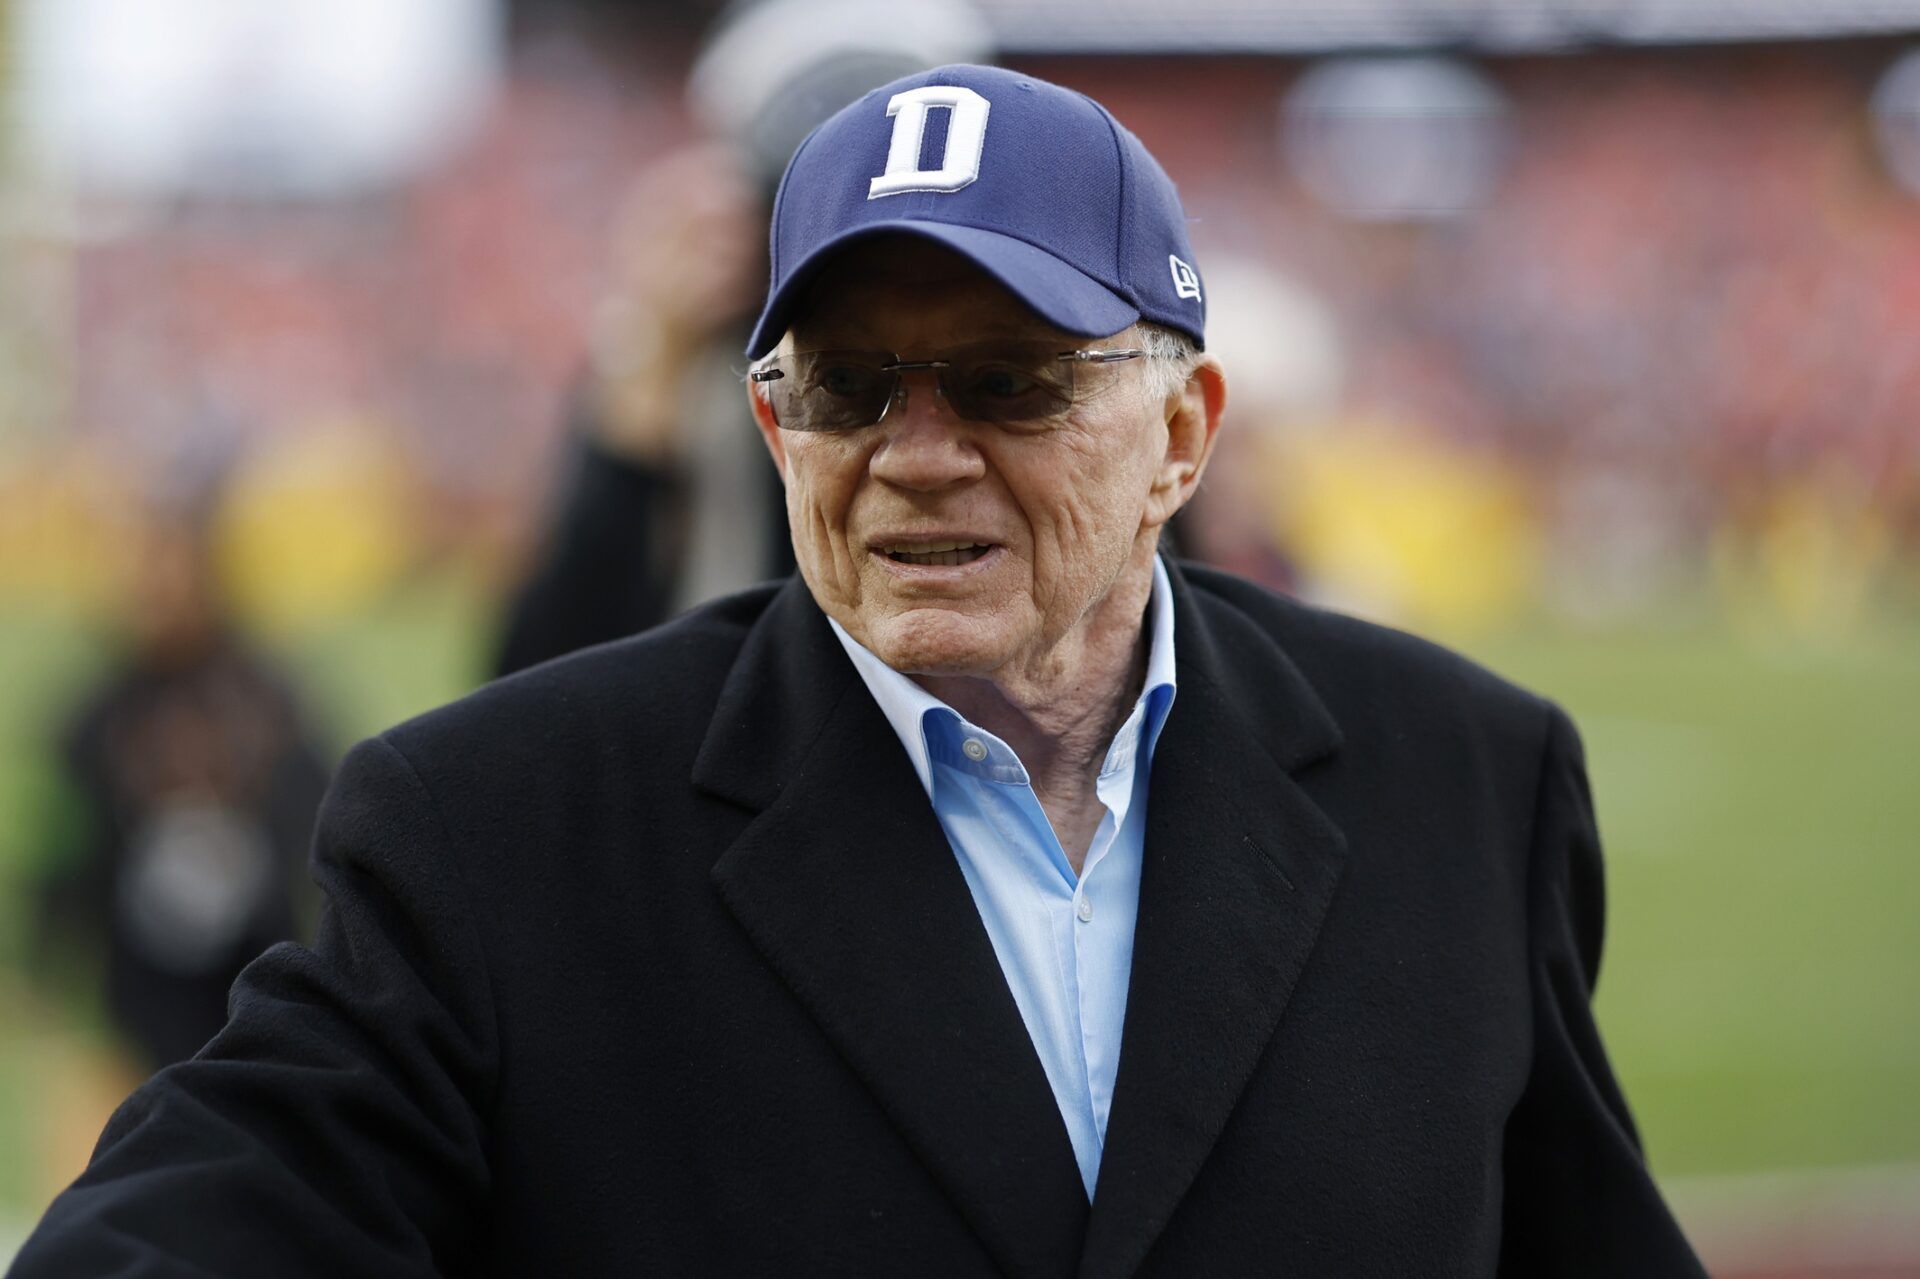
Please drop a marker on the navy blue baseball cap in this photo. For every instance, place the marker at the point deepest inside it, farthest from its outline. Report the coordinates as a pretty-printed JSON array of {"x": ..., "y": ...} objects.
[{"x": 1037, "y": 185}]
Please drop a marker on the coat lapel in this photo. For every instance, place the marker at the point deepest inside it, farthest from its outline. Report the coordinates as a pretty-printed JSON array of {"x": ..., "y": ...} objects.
[
  {"x": 846, "y": 884},
  {"x": 1240, "y": 868}
]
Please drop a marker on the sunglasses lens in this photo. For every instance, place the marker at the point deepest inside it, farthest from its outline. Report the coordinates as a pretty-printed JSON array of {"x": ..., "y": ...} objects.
[
  {"x": 831, "y": 390},
  {"x": 1013, "y": 384}
]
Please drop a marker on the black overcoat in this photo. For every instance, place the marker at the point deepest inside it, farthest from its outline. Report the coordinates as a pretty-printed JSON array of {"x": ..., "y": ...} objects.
[{"x": 653, "y": 960}]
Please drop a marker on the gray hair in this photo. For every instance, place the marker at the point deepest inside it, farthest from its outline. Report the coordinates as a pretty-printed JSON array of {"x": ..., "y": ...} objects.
[{"x": 1171, "y": 357}]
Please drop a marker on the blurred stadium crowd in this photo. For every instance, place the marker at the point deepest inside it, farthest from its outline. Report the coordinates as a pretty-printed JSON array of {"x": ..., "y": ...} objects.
[
  {"x": 1652, "y": 343},
  {"x": 1534, "y": 328}
]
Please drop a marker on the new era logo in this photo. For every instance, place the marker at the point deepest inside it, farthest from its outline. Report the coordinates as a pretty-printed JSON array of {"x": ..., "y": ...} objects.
[{"x": 1186, "y": 282}]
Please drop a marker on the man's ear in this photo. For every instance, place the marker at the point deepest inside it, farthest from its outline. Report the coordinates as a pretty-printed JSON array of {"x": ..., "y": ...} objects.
[
  {"x": 763, "y": 417},
  {"x": 1193, "y": 424}
]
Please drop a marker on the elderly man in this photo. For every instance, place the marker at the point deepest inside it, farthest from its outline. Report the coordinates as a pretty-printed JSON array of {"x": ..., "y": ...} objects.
[{"x": 991, "y": 898}]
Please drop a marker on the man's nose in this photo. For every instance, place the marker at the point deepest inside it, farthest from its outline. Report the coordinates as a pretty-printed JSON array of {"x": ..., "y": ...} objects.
[{"x": 925, "y": 445}]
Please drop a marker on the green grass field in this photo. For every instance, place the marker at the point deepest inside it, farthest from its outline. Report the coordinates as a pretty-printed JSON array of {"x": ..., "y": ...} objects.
[{"x": 1760, "y": 804}]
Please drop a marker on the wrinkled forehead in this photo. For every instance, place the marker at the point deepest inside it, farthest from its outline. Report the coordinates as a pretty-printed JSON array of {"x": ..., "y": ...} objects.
[{"x": 900, "y": 292}]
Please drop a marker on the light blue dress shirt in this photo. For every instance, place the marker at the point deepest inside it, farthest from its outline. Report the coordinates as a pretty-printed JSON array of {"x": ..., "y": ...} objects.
[{"x": 1064, "y": 941}]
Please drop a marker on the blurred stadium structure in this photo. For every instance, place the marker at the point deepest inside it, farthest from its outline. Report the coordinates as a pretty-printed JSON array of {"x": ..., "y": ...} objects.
[{"x": 1585, "y": 335}]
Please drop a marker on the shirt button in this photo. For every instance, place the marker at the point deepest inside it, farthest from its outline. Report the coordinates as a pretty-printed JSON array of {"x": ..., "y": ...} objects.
[
  {"x": 1085, "y": 911},
  {"x": 975, "y": 749}
]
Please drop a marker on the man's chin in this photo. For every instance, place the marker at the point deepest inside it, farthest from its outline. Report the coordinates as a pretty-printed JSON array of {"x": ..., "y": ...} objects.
[{"x": 938, "y": 641}]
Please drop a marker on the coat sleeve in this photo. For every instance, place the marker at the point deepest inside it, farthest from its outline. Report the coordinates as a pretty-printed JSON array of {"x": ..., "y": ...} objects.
[
  {"x": 1579, "y": 1197},
  {"x": 336, "y": 1125}
]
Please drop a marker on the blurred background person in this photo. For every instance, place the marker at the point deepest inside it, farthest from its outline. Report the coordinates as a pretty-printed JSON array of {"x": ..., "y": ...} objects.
[{"x": 192, "y": 780}]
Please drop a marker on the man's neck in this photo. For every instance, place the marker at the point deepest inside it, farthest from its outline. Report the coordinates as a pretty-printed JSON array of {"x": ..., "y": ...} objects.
[{"x": 1060, "y": 714}]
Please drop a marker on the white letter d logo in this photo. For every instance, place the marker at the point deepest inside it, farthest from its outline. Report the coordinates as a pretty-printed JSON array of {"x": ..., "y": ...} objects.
[{"x": 966, "y": 135}]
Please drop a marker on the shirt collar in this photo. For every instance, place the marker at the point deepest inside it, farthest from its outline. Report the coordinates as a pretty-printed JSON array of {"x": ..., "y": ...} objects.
[{"x": 907, "y": 706}]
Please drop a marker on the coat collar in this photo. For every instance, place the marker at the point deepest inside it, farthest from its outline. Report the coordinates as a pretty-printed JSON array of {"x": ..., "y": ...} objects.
[
  {"x": 1240, "y": 866},
  {"x": 845, "y": 882}
]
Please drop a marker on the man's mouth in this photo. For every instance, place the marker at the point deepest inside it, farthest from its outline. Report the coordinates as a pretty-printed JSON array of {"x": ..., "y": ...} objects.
[{"x": 941, "y": 554}]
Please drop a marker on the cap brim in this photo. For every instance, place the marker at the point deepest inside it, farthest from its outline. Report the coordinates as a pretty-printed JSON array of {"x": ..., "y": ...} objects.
[{"x": 1063, "y": 296}]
